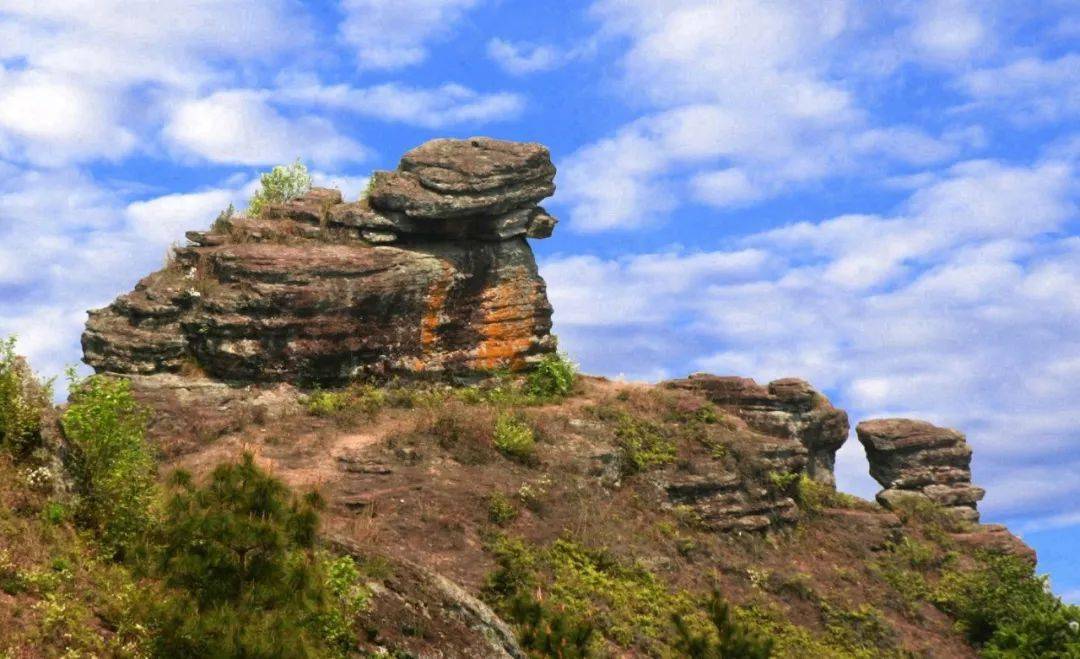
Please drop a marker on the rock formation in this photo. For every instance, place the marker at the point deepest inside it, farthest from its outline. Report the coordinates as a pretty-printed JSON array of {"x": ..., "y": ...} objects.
[
  {"x": 787, "y": 409},
  {"x": 915, "y": 458},
  {"x": 430, "y": 271}
]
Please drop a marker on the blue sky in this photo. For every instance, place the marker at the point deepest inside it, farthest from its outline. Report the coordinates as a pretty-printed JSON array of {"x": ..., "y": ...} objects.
[{"x": 878, "y": 197}]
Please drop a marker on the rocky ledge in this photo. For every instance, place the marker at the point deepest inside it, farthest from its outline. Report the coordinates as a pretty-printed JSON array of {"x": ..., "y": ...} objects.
[
  {"x": 430, "y": 271},
  {"x": 787, "y": 410},
  {"x": 917, "y": 459}
]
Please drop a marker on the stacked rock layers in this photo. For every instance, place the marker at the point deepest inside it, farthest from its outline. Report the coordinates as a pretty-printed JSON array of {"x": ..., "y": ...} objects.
[
  {"x": 430, "y": 271},
  {"x": 786, "y": 410},
  {"x": 915, "y": 458}
]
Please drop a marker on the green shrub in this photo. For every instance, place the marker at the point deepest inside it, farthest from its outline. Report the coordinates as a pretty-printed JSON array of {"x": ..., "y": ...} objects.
[
  {"x": 785, "y": 483},
  {"x": 279, "y": 185},
  {"x": 552, "y": 377},
  {"x": 642, "y": 444},
  {"x": 862, "y": 631},
  {"x": 624, "y": 602},
  {"x": 726, "y": 639},
  {"x": 1007, "y": 611},
  {"x": 514, "y": 438},
  {"x": 223, "y": 222},
  {"x": 237, "y": 555},
  {"x": 111, "y": 461},
  {"x": 813, "y": 497},
  {"x": 546, "y": 632},
  {"x": 501, "y": 509},
  {"x": 347, "y": 405},
  {"x": 23, "y": 399}
]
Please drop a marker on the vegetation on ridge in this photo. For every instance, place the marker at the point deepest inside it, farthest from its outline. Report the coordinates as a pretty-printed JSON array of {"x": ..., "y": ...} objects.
[
  {"x": 115, "y": 564},
  {"x": 282, "y": 183}
]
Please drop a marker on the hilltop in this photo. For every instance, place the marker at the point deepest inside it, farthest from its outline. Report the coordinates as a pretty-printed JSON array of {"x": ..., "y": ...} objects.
[{"x": 475, "y": 495}]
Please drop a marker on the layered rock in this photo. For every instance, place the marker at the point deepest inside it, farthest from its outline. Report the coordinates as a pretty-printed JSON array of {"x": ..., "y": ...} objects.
[
  {"x": 915, "y": 458},
  {"x": 744, "y": 486},
  {"x": 787, "y": 409},
  {"x": 429, "y": 272}
]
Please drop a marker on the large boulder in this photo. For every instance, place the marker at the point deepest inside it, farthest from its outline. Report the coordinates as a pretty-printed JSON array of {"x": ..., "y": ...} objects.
[
  {"x": 430, "y": 272},
  {"x": 788, "y": 409},
  {"x": 911, "y": 458}
]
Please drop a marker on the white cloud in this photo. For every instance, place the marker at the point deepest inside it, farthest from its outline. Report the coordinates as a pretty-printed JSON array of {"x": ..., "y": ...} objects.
[
  {"x": 740, "y": 87},
  {"x": 959, "y": 307},
  {"x": 391, "y": 34},
  {"x": 55, "y": 121},
  {"x": 165, "y": 219},
  {"x": 437, "y": 107},
  {"x": 725, "y": 188},
  {"x": 523, "y": 58},
  {"x": 949, "y": 31},
  {"x": 1030, "y": 89},
  {"x": 243, "y": 127},
  {"x": 89, "y": 86},
  {"x": 166, "y": 41}
]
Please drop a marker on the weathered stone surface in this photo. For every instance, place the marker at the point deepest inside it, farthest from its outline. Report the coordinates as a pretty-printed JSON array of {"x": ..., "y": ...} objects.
[
  {"x": 911, "y": 458},
  {"x": 787, "y": 409},
  {"x": 446, "y": 179},
  {"x": 998, "y": 539},
  {"x": 309, "y": 291}
]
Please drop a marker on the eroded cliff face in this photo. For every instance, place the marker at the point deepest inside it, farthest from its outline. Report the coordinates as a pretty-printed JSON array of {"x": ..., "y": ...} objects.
[{"x": 431, "y": 271}]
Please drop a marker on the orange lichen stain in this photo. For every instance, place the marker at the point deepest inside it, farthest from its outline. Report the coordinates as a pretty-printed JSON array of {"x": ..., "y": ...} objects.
[
  {"x": 507, "y": 327},
  {"x": 433, "y": 315}
]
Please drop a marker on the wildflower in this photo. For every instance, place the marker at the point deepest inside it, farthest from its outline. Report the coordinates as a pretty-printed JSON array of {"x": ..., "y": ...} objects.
[{"x": 1074, "y": 626}]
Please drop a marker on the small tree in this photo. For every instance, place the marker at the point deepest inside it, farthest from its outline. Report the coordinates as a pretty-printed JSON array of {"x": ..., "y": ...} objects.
[
  {"x": 23, "y": 400},
  {"x": 279, "y": 185},
  {"x": 112, "y": 465},
  {"x": 239, "y": 554}
]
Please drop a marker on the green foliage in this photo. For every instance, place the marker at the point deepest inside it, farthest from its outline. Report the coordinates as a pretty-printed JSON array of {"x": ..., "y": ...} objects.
[
  {"x": 335, "y": 625},
  {"x": 223, "y": 222},
  {"x": 553, "y": 377},
  {"x": 23, "y": 400},
  {"x": 514, "y": 438},
  {"x": 238, "y": 557},
  {"x": 368, "y": 188},
  {"x": 1007, "y": 611},
  {"x": 347, "y": 405},
  {"x": 813, "y": 497},
  {"x": 546, "y": 632},
  {"x": 862, "y": 631},
  {"x": 501, "y": 509},
  {"x": 279, "y": 185},
  {"x": 111, "y": 462},
  {"x": 785, "y": 483},
  {"x": 642, "y": 444},
  {"x": 588, "y": 588},
  {"x": 727, "y": 638}
]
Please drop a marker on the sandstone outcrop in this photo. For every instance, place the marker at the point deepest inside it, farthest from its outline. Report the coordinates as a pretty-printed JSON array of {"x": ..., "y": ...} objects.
[
  {"x": 787, "y": 409},
  {"x": 429, "y": 272},
  {"x": 915, "y": 458}
]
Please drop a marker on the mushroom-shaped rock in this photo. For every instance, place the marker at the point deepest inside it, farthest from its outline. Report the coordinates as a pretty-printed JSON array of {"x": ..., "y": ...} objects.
[
  {"x": 911, "y": 458},
  {"x": 430, "y": 272}
]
